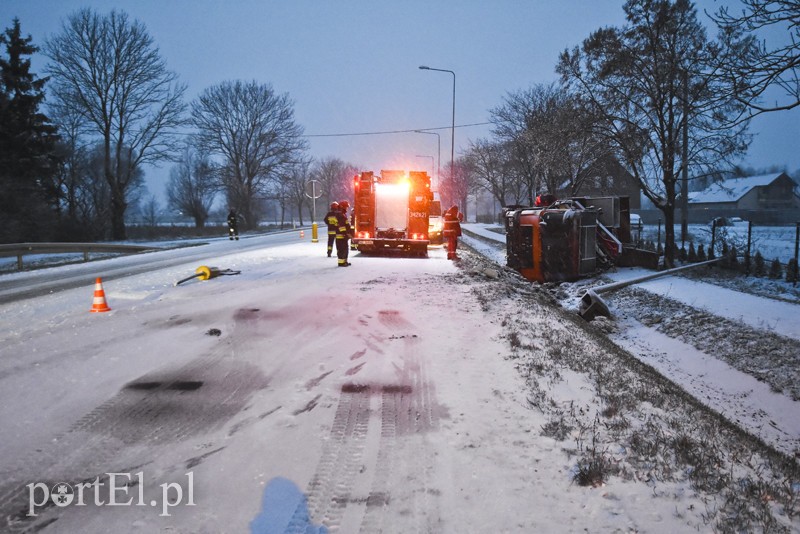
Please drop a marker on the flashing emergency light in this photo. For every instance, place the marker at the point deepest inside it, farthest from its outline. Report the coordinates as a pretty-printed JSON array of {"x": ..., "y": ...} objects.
[{"x": 396, "y": 189}]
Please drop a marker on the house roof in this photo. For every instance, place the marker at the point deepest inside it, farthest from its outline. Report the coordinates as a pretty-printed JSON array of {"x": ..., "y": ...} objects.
[{"x": 732, "y": 189}]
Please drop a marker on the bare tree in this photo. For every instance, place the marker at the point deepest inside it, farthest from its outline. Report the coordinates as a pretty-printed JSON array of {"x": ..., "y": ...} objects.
[
  {"x": 335, "y": 177},
  {"x": 488, "y": 162},
  {"x": 551, "y": 136},
  {"x": 73, "y": 152},
  {"x": 252, "y": 130},
  {"x": 294, "y": 183},
  {"x": 753, "y": 67},
  {"x": 110, "y": 71},
  {"x": 650, "y": 82},
  {"x": 458, "y": 181},
  {"x": 513, "y": 126},
  {"x": 150, "y": 211},
  {"x": 192, "y": 186}
]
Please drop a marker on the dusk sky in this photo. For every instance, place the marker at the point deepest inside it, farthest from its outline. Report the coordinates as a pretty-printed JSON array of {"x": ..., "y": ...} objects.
[{"x": 351, "y": 66}]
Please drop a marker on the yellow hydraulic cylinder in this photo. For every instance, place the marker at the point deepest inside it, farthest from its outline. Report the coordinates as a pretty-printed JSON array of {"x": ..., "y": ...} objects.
[{"x": 314, "y": 238}]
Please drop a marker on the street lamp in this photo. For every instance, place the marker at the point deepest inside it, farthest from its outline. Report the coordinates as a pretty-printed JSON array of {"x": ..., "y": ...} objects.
[
  {"x": 439, "y": 145},
  {"x": 453, "y": 130},
  {"x": 432, "y": 162}
]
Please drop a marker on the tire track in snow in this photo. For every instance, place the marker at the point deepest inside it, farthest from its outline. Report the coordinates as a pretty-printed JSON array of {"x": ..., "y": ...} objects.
[
  {"x": 330, "y": 487},
  {"x": 375, "y": 476},
  {"x": 158, "y": 408}
]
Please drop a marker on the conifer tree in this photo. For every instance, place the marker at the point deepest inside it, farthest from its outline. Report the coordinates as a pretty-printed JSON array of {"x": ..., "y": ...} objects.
[
  {"x": 692, "y": 256},
  {"x": 759, "y": 265},
  {"x": 701, "y": 253},
  {"x": 775, "y": 270},
  {"x": 791, "y": 271},
  {"x": 27, "y": 141},
  {"x": 733, "y": 259}
]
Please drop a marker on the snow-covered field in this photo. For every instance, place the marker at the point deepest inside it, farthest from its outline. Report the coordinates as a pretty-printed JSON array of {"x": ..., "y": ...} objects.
[
  {"x": 750, "y": 368},
  {"x": 771, "y": 241},
  {"x": 396, "y": 395}
]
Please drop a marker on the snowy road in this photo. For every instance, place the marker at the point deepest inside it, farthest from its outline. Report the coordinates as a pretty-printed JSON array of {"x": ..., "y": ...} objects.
[
  {"x": 390, "y": 396},
  {"x": 354, "y": 385},
  {"x": 36, "y": 283}
]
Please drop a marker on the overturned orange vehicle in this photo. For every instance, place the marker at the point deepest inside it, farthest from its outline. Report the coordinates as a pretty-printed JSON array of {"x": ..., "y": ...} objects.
[{"x": 568, "y": 239}]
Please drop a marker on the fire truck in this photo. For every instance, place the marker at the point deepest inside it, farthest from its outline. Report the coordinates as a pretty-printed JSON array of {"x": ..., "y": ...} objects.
[{"x": 391, "y": 212}]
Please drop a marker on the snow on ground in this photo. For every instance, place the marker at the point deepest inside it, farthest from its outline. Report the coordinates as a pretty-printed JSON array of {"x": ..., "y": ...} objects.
[
  {"x": 394, "y": 395},
  {"x": 762, "y": 313},
  {"x": 750, "y": 402},
  {"x": 771, "y": 241}
]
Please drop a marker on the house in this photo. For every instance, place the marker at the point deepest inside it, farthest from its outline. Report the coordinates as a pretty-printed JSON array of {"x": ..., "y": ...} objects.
[
  {"x": 768, "y": 198},
  {"x": 607, "y": 178}
]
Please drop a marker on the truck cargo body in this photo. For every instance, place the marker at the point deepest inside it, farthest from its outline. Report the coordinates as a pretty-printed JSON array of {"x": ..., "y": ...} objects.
[{"x": 391, "y": 212}]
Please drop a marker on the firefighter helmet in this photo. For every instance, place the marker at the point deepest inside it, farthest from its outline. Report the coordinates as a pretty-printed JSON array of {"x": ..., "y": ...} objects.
[
  {"x": 344, "y": 205},
  {"x": 334, "y": 206}
]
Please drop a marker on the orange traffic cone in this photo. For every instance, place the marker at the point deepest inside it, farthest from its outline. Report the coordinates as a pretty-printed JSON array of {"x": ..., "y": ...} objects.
[
  {"x": 302, "y": 234},
  {"x": 99, "y": 304}
]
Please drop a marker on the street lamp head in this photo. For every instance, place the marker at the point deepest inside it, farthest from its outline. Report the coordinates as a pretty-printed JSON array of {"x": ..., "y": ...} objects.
[{"x": 423, "y": 67}]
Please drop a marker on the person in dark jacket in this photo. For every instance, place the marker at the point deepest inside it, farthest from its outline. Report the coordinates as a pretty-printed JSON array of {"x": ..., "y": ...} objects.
[
  {"x": 343, "y": 233},
  {"x": 332, "y": 220},
  {"x": 233, "y": 225},
  {"x": 452, "y": 230}
]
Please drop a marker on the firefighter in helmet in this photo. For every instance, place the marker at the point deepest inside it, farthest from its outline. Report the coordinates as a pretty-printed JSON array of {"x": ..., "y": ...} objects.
[
  {"x": 332, "y": 220},
  {"x": 452, "y": 230},
  {"x": 343, "y": 233}
]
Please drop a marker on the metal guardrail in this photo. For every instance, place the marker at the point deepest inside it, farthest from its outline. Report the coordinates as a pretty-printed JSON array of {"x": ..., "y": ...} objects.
[{"x": 21, "y": 249}]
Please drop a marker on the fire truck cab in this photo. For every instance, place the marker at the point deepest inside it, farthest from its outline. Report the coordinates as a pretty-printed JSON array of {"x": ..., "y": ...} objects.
[{"x": 391, "y": 212}]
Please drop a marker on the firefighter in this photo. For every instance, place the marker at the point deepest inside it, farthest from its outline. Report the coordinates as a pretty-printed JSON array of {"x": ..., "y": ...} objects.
[
  {"x": 233, "y": 225},
  {"x": 452, "y": 230},
  {"x": 332, "y": 220},
  {"x": 343, "y": 233}
]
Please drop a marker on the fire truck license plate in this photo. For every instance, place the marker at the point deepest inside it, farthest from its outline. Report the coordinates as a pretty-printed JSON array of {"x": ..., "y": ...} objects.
[{"x": 365, "y": 242}]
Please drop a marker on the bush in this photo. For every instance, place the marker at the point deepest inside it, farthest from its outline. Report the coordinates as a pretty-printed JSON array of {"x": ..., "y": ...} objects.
[
  {"x": 791, "y": 271},
  {"x": 759, "y": 265},
  {"x": 733, "y": 260},
  {"x": 775, "y": 270},
  {"x": 701, "y": 253},
  {"x": 682, "y": 255},
  {"x": 692, "y": 256}
]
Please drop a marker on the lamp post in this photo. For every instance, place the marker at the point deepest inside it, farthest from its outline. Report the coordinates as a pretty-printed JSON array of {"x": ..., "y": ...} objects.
[
  {"x": 432, "y": 162},
  {"x": 453, "y": 129},
  {"x": 439, "y": 145}
]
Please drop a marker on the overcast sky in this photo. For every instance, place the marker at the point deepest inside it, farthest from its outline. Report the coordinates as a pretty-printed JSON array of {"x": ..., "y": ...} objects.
[{"x": 351, "y": 66}]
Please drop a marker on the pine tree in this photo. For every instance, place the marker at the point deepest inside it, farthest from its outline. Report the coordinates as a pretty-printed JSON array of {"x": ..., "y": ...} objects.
[
  {"x": 759, "y": 265},
  {"x": 27, "y": 141},
  {"x": 682, "y": 255},
  {"x": 692, "y": 256},
  {"x": 734, "y": 260},
  {"x": 775, "y": 270},
  {"x": 701, "y": 253},
  {"x": 791, "y": 271}
]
